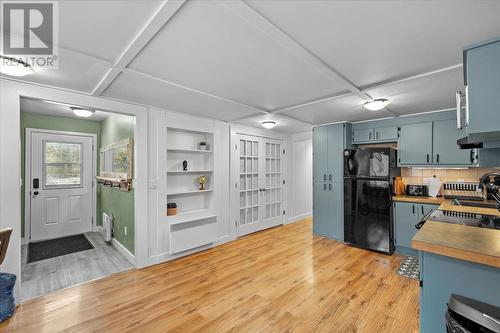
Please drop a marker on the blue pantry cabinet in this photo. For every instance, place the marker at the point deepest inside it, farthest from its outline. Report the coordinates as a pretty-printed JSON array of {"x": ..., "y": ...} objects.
[
  {"x": 482, "y": 78},
  {"x": 406, "y": 215},
  {"x": 328, "y": 192}
]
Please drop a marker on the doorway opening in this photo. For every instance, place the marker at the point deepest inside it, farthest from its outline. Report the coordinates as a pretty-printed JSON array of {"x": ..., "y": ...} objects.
[{"x": 77, "y": 196}]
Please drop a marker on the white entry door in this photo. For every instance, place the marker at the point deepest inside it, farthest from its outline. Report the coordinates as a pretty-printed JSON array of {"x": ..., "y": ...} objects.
[
  {"x": 61, "y": 193},
  {"x": 260, "y": 184}
]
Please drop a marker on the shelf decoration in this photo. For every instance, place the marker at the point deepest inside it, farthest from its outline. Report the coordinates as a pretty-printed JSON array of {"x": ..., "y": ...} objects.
[
  {"x": 202, "y": 180},
  {"x": 203, "y": 146},
  {"x": 116, "y": 167},
  {"x": 171, "y": 209}
]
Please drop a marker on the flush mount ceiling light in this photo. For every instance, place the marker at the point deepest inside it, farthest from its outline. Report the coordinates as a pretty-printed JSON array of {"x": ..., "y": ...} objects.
[
  {"x": 14, "y": 67},
  {"x": 376, "y": 104},
  {"x": 81, "y": 112},
  {"x": 268, "y": 124}
]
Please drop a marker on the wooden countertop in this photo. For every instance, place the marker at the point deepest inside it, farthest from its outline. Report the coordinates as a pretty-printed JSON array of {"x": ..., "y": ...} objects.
[
  {"x": 423, "y": 200},
  {"x": 473, "y": 244}
]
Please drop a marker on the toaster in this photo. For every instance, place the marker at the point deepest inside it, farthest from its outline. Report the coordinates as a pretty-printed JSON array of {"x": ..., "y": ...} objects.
[{"x": 417, "y": 190}]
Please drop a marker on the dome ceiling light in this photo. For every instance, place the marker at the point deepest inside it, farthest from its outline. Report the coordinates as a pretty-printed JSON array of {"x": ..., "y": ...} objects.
[
  {"x": 268, "y": 124},
  {"x": 376, "y": 104}
]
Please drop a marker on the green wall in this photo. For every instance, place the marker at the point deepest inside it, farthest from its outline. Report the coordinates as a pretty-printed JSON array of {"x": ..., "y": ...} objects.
[
  {"x": 113, "y": 201},
  {"x": 33, "y": 120},
  {"x": 117, "y": 203}
]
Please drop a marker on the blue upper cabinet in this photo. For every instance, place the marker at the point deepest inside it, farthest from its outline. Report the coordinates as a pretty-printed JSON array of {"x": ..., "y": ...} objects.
[
  {"x": 482, "y": 76},
  {"x": 415, "y": 144},
  {"x": 379, "y": 134},
  {"x": 362, "y": 135},
  {"x": 386, "y": 133},
  {"x": 320, "y": 153},
  {"x": 445, "y": 148}
]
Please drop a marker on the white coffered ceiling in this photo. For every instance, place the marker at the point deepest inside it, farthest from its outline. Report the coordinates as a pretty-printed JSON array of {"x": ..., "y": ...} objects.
[{"x": 299, "y": 62}]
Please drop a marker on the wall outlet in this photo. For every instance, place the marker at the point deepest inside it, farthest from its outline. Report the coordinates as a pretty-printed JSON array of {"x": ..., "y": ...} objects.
[{"x": 125, "y": 228}]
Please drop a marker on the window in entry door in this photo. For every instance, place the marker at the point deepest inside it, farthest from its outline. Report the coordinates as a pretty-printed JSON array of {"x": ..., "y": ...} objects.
[{"x": 62, "y": 164}]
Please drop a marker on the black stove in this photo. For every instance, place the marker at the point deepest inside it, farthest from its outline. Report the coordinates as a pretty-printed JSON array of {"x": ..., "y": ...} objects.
[{"x": 470, "y": 219}]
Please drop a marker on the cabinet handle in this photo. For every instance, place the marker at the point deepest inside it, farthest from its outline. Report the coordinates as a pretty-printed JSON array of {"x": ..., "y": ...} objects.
[
  {"x": 428, "y": 160},
  {"x": 413, "y": 208},
  {"x": 437, "y": 158},
  {"x": 330, "y": 177},
  {"x": 370, "y": 136},
  {"x": 471, "y": 156},
  {"x": 330, "y": 187},
  {"x": 377, "y": 135},
  {"x": 422, "y": 208},
  {"x": 458, "y": 99},
  {"x": 324, "y": 177},
  {"x": 324, "y": 186}
]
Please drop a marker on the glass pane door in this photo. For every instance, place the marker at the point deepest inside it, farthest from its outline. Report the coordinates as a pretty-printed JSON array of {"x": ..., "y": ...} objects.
[
  {"x": 249, "y": 181},
  {"x": 272, "y": 197}
]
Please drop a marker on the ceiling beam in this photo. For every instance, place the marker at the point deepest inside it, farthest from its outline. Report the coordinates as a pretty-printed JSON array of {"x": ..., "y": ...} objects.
[
  {"x": 374, "y": 86},
  {"x": 166, "y": 11},
  {"x": 257, "y": 20},
  {"x": 156, "y": 78}
]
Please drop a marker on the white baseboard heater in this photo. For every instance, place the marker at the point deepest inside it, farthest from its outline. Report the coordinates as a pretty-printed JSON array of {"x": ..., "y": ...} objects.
[{"x": 107, "y": 227}]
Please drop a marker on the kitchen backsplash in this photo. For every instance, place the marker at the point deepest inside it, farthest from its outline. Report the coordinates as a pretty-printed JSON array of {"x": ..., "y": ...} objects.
[{"x": 417, "y": 175}]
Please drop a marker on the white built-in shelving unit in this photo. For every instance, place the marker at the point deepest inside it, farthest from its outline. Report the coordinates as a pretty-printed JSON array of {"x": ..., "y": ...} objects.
[{"x": 196, "y": 221}]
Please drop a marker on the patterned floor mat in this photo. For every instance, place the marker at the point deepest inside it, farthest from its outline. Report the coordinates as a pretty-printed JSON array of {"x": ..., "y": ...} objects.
[{"x": 409, "y": 268}]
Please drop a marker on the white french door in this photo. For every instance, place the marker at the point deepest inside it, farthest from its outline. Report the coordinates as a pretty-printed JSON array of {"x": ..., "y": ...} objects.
[
  {"x": 60, "y": 184},
  {"x": 260, "y": 184}
]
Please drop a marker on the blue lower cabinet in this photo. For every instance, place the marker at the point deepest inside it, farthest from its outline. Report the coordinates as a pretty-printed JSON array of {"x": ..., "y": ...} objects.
[
  {"x": 321, "y": 225},
  {"x": 405, "y": 218},
  {"x": 328, "y": 215},
  {"x": 406, "y": 215},
  {"x": 442, "y": 276}
]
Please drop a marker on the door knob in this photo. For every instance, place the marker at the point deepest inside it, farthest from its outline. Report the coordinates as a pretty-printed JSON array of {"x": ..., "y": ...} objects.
[{"x": 35, "y": 193}]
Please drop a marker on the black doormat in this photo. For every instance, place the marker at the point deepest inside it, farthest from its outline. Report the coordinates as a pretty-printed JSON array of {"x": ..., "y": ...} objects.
[{"x": 57, "y": 247}]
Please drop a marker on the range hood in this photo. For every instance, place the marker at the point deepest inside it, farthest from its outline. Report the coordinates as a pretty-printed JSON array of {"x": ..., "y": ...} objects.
[{"x": 480, "y": 140}]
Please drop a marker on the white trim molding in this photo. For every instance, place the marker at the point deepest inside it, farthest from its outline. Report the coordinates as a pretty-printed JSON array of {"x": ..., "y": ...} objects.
[
  {"x": 123, "y": 250},
  {"x": 298, "y": 218}
]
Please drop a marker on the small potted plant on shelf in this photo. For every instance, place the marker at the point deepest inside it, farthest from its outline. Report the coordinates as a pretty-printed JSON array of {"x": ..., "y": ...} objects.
[{"x": 203, "y": 145}]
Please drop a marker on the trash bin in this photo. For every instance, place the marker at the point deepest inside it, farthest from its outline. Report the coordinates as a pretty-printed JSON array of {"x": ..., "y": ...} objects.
[
  {"x": 466, "y": 315},
  {"x": 7, "y": 305}
]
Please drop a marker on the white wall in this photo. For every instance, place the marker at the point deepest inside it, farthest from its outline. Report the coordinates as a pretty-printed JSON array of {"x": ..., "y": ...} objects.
[{"x": 301, "y": 176}]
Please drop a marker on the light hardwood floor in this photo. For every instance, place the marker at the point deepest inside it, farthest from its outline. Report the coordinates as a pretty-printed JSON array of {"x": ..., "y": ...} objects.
[
  {"x": 279, "y": 280},
  {"x": 45, "y": 276}
]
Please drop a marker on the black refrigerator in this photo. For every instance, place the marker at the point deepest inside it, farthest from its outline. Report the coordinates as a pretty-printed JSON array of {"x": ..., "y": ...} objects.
[{"x": 368, "y": 181}]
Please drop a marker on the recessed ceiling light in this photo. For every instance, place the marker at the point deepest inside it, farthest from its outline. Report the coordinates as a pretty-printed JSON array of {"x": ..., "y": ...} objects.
[
  {"x": 81, "y": 112},
  {"x": 376, "y": 104},
  {"x": 268, "y": 124},
  {"x": 15, "y": 67}
]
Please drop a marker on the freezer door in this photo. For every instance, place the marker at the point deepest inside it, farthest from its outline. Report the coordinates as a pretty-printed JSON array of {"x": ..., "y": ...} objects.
[{"x": 368, "y": 214}]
